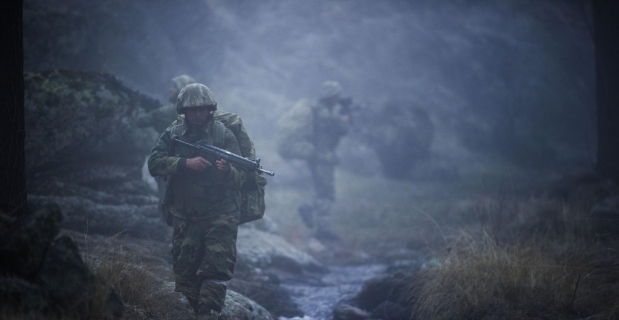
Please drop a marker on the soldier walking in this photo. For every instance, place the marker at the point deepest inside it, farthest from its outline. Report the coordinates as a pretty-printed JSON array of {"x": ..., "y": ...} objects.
[
  {"x": 312, "y": 131},
  {"x": 201, "y": 202}
]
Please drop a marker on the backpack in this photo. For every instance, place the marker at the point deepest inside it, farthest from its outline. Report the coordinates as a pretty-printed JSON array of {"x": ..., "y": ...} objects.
[
  {"x": 252, "y": 204},
  {"x": 252, "y": 191},
  {"x": 295, "y": 130}
]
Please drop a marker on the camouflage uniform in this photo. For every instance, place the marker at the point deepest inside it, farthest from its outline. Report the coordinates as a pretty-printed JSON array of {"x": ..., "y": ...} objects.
[
  {"x": 253, "y": 190},
  {"x": 204, "y": 205},
  {"x": 233, "y": 122},
  {"x": 316, "y": 141}
]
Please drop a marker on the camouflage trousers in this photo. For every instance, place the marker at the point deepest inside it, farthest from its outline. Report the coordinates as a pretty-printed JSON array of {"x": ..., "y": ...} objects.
[
  {"x": 324, "y": 188},
  {"x": 317, "y": 213},
  {"x": 203, "y": 256},
  {"x": 323, "y": 177}
]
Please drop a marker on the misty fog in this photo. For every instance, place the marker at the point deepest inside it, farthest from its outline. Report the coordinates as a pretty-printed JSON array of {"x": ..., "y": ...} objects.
[
  {"x": 476, "y": 67},
  {"x": 484, "y": 71},
  {"x": 507, "y": 89}
]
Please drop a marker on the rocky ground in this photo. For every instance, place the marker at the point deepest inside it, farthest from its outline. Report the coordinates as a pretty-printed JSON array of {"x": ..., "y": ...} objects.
[{"x": 93, "y": 213}]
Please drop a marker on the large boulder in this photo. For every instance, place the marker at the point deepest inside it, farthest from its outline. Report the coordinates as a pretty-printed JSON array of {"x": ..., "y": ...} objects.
[
  {"x": 238, "y": 306},
  {"x": 79, "y": 126},
  {"x": 386, "y": 296},
  {"x": 88, "y": 216},
  {"x": 43, "y": 275},
  {"x": 263, "y": 259},
  {"x": 84, "y": 152},
  {"x": 25, "y": 241},
  {"x": 261, "y": 250}
]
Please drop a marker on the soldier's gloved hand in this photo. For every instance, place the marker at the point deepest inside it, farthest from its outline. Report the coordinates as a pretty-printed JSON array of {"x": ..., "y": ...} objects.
[
  {"x": 198, "y": 164},
  {"x": 223, "y": 165}
]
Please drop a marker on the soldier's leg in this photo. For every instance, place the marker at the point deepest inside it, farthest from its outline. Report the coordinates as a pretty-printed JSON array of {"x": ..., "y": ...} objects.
[
  {"x": 307, "y": 210},
  {"x": 323, "y": 220},
  {"x": 323, "y": 213},
  {"x": 324, "y": 181},
  {"x": 324, "y": 193},
  {"x": 323, "y": 175},
  {"x": 187, "y": 254},
  {"x": 217, "y": 266}
]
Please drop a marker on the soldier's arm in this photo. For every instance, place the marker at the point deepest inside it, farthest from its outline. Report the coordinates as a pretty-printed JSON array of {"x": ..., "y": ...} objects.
[{"x": 160, "y": 162}]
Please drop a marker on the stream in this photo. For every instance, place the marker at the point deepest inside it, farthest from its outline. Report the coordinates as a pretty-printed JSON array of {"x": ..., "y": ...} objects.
[{"x": 317, "y": 296}]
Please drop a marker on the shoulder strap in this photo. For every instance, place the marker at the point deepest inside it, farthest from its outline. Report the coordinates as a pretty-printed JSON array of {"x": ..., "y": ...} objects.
[
  {"x": 177, "y": 129},
  {"x": 218, "y": 134}
]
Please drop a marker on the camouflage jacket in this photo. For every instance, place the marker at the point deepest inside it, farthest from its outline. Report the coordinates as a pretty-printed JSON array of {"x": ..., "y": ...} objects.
[
  {"x": 311, "y": 131},
  {"x": 196, "y": 194}
]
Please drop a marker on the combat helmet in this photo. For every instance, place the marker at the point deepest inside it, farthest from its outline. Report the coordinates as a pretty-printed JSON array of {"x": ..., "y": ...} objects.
[
  {"x": 182, "y": 80},
  {"x": 177, "y": 84},
  {"x": 330, "y": 89},
  {"x": 195, "y": 95}
]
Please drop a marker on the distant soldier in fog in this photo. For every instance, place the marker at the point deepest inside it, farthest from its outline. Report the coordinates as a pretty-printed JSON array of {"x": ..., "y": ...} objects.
[
  {"x": 161, "y": 118},
  {"x": 201, "y": 202},
  {"x": 311, "y": 131}
]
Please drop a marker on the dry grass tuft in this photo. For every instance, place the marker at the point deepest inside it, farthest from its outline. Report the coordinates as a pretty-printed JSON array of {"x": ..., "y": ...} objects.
[
  {"x": 481, "y": 279},
  {"x": 140, "y": 286}
]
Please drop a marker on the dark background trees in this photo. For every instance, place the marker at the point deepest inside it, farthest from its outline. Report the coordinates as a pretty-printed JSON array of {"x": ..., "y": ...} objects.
[
  {"x": 606, "y": 25},
  {"x": 12, "y": 131}
]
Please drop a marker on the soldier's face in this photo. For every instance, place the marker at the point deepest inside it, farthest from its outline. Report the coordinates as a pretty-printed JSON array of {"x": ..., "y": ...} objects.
[
  {"x": 173, "y": 92},
  {"x": 197, "y": 116}
]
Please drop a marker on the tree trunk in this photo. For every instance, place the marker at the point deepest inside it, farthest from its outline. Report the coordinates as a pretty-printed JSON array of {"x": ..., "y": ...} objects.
[
  {"x": 12, "y": 128},
  {"x": 606, "y": 24}
]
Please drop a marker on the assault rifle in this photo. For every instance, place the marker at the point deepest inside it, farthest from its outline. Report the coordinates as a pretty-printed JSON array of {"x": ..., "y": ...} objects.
[{"x": 219, "y": 153}]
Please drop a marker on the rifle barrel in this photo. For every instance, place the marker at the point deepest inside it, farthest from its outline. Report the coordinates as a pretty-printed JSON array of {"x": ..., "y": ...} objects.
[{"x": 227, "y": 155}]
